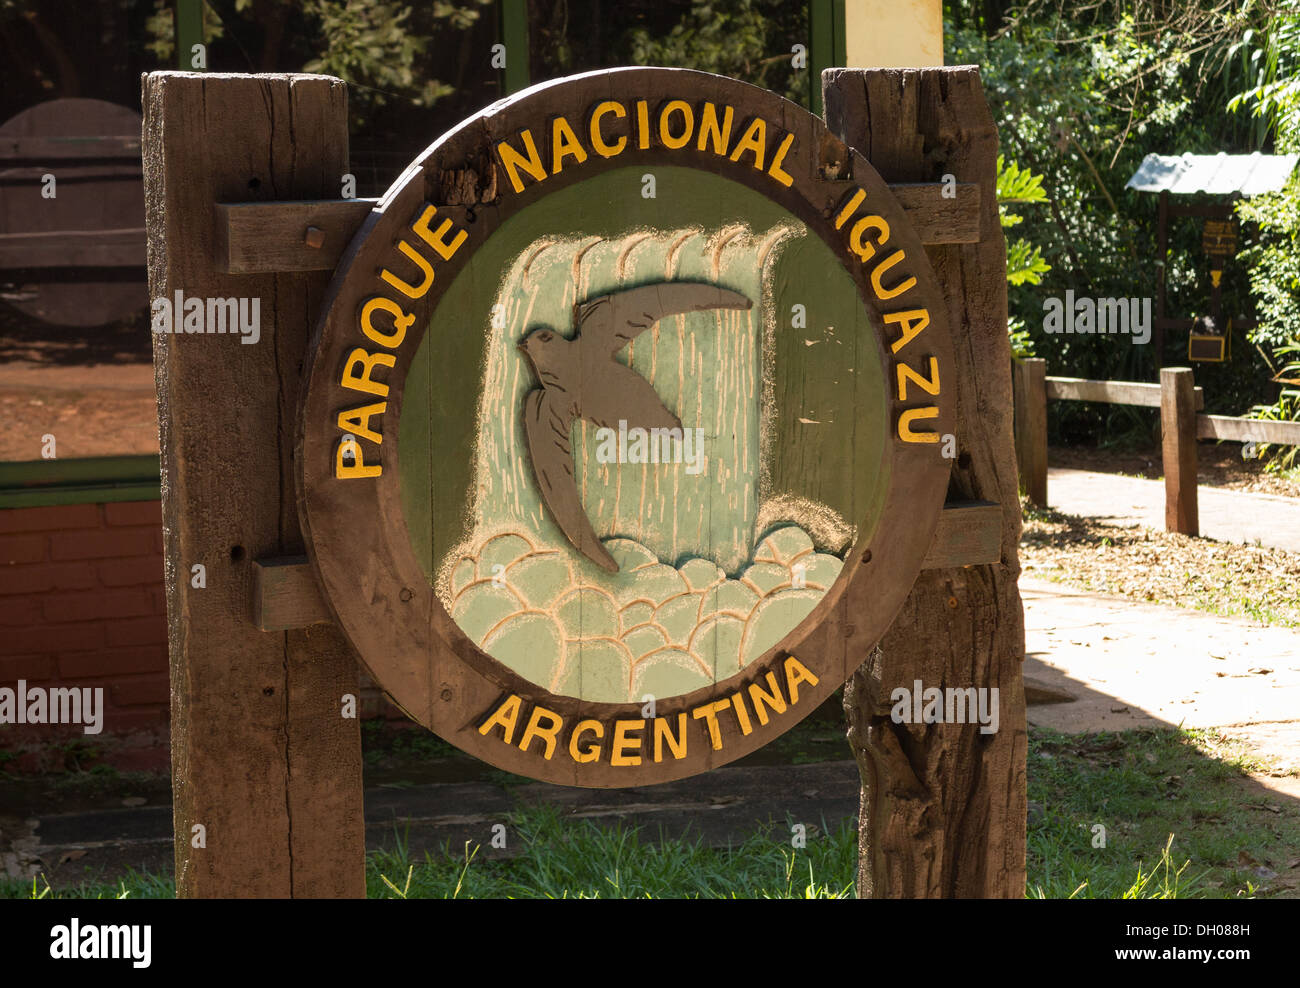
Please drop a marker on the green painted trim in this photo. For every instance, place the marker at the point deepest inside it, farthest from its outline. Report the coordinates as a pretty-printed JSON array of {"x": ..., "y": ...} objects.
[
  {"x": 514, "y": 35},
  {"x": 841, "y": 54},
  {"x": 88, "y": 480},
  {"x": 189, "y": 31},
  {"x": 827, "y": 45}
]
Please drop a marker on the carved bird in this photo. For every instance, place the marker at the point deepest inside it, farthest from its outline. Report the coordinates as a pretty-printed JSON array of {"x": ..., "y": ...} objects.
[{"x": 580, "y": 379}]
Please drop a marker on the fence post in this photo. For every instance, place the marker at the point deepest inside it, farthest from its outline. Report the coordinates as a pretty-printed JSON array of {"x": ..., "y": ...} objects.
[
  {"x": 943, "y": 805},
  {"x": 266, "y": 761},
  {"x": 1178, "y": 437},
  {"x": 1031, "y": 426}
]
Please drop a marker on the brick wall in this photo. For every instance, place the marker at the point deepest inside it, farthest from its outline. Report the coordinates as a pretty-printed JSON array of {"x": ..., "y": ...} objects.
[{"x": 82, "y": 604}]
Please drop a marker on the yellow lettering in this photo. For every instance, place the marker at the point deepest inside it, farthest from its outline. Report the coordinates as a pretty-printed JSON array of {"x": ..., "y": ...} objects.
[
  {"x": 514, "y": 161},
  {"x": 795, "y": 673},
  {"x": 849, "y": 207},
  {"x": 642, "y": 124},
  {"x": 710, "y": 713},
  {"x": 535, "y": 730},
  {"x": 882, "y": 292},
  {"x": 438, "y": 240},
  {"x": 774, "y": 169},
  {"x": 401, "y": 321},
  {"x": 505, "y": 717},
  {"x": 592, "y": 752},
  {"x": 362, "y": 382},
  {"x": 905, "y": 420},
  {"x": 597, "y": 140},
  {"x": 663, "y": 732},
  {"x": 688, "y": 117},
  {"x": 426, "y": 269},
  {"x": 721, "y": 136},
  {"x": 920, "y": 318},
  {"x": 857, "y": 236},
  {"x": 357, "y": 468},
  {"x": 929, "y": 385},
  {"x": 761, "y": 699},
  {"x": 753, "y": 139},
  {"x": 617, "y": 753},
  {"x": 357, "y": 421},
  {"x": 564, "y": 141},
  {"x": 742, "y": 715}
]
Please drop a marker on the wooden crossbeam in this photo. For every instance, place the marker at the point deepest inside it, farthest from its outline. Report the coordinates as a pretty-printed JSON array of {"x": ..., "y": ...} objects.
[
  {"x": 1110, "y": 392},
  {"x": 73, "y": 249},
  {"x": 1242, "y": 430},
  {"x": 285, "y": 594},
  {"x": 273, "y": 237},
  {"x": 99, "y": 147},
  {"x": 278, "y": 237}
]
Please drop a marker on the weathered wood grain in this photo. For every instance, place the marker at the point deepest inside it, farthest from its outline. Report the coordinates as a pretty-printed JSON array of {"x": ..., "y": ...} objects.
[
  {"x": 285, "y": 594},
  {"x": 73, "y": 199},
  {"x": 1111, "y": 392},
  {"x": 255, "y": 237},
  {"x": 73, "y": 248},
  {"x": 943, "y": 806},
  {"x": 940, "y": 219},
  {"x": 105, "y": 147},
  {"x": 1029, "y": 378},
  {"x": 968, "y": 534},
  {"x": 1178, "y": 449},
  {"x": 1243, "y": 430},
  {"x": 260, "y": 237},
  {"x": 262, "y": 758}
]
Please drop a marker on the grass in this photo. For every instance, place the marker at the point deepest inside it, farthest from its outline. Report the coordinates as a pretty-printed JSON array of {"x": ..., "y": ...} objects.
[
  {"x": 1179, "y": 823},
  {"x": 565, "y": 859},
  {"x": 562, "y": 859}
]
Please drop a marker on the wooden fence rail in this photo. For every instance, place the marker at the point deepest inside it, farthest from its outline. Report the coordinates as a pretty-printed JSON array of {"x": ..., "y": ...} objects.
[{"x": 1179, "y": 402}]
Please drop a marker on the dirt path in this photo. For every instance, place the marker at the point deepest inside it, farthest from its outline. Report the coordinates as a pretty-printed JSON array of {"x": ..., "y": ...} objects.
[{"x": 91, "y": 410}]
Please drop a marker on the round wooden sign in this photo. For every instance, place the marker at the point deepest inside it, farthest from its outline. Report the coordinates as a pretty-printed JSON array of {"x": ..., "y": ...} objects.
[{"x": 622, "y": 438}]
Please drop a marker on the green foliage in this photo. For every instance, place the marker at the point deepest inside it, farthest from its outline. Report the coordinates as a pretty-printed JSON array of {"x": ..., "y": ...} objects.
[
  {"x": 383, "y": 49},
  {"x": 370, "y": 45},
  {"x": 1025, "y": 263},
  {"x": 1080, "y": 94},
  {"x": 1274, "y": 263},
  {"x": 1286, "y": 409},
  {"x": 1274, "y": 260},
  {"x": 1271, "y": 59},
  {"x": 750, "y": 40},
  {"x": 743, "y": 39}
]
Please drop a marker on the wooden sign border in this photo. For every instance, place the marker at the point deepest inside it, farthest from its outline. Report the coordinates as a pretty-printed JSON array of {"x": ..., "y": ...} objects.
[{"x": 355, "y": 530}]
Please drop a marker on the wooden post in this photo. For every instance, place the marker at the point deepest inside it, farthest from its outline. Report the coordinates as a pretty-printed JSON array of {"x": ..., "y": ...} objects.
[
  {"x": 943, "y": 805},
  {"x": 1030, "y": 379},
  {"x": 1178, "y": 435},
  {"x": 264, "y": 763}
]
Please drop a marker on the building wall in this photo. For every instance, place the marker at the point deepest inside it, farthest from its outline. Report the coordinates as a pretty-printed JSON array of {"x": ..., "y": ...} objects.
[{"x": 82, "y": 604}]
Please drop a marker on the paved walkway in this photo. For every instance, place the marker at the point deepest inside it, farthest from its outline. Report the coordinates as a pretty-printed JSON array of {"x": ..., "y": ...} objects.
[
  {"x": 1225, "y": 515},
  {"x": 1132, "y": 664}
]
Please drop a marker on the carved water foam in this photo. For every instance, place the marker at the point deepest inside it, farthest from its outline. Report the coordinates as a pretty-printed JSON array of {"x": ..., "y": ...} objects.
[{"x": 652, "y": 628}]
